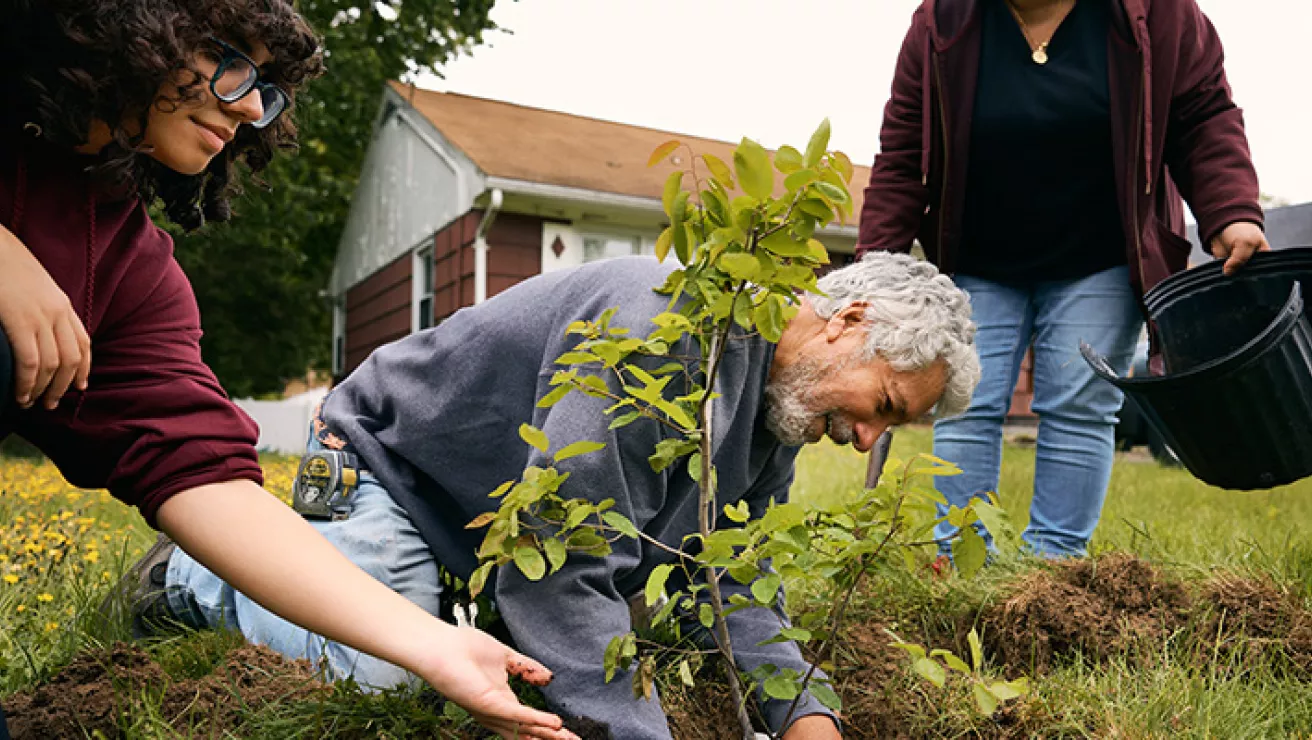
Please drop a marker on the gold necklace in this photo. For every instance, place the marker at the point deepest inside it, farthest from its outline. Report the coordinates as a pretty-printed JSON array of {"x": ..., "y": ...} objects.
[{"x": 1038, "y": 52}]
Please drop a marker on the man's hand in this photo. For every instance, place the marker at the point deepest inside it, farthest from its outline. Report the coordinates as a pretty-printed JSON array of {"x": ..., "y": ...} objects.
[
  {"x": 51, "y": 347},
  {"x": 472, "y": 671},
  {"x": 1237, "y": 243},
  {"x": 813, "y": 727}
]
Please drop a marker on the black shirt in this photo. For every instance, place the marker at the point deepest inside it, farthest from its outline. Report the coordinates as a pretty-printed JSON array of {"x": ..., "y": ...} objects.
[{"x": 1040, "y": 189}]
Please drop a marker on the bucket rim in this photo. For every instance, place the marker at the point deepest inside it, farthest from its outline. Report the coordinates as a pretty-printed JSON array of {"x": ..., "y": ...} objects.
[
  {"x": 1263, "y": 262},
  {"x": 1281, "y": 325}
]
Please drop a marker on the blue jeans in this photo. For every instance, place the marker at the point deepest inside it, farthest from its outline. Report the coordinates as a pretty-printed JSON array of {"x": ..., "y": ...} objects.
[
  {"x": 378, "y": 537},
  {"x": 1077, "y": 411}
]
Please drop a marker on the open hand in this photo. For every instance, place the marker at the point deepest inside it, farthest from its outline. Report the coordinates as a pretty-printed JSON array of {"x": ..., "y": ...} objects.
[
  {"x": 473, "y": 672},
  {"x": 1237, "y": 243},
  {"x": 51, "y": 347}
]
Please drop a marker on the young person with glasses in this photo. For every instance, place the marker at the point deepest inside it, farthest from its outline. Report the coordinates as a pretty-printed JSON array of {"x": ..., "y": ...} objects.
[{"x": 112, "y": 105}]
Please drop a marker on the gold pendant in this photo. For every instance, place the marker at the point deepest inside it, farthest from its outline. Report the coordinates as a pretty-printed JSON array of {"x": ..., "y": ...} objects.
[{"x": 1040, "y": 55}]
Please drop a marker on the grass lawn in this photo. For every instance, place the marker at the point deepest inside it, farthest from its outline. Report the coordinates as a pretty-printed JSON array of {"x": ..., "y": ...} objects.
[{"x": 1194, "y": 548}]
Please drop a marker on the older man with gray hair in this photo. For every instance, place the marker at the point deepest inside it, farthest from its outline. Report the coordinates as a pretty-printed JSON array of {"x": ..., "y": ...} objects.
[{"x": 433, "y": 421}]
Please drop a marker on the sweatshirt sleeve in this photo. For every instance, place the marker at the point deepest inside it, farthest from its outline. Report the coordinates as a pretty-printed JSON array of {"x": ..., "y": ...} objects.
[
  {"x": 896, "y": 196},
  {"x": 1206, "y": 147},
  {"x": 154, "y": 420}
]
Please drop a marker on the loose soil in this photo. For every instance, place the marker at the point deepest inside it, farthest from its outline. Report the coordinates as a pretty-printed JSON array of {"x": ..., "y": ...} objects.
[
  {"x": 1095, "y": 610},
  {"x": 92, "y": 692}
]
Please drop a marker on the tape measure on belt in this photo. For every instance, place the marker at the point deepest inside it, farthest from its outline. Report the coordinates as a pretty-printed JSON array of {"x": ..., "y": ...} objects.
[{"x": 324, "y": 482}]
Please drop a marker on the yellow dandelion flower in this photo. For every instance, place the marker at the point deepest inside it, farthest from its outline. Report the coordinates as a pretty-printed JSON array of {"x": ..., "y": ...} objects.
[
  {"x": 11, "y": 579},
  {"x": 91, "y": 556},
  {"x": 22, "y": 608},
  {"x": 52, "y": 626},
  {"x": 45, "y": 597}
]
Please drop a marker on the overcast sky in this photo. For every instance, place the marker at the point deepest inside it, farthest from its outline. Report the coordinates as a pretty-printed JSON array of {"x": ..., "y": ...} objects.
[{"x": 772, "y": 69}]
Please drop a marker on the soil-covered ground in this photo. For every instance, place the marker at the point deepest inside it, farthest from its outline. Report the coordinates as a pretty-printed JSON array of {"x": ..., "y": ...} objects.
[{"x": 1115, "y": 607}]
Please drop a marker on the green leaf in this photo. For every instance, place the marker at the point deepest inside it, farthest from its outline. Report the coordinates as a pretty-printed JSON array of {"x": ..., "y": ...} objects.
[
  {"x": 834, "y": 193},
  {"x": 662, "y": 151},
  {"x": 656, "y": 583},
  {"x": 930, "y": 670},
  {"x": 556, "y": 553},
  {"x": 501, "y": 489},
  {"x": 620, "y": 523},
  {"x": 826, "y": 696},
  {"x": 624, "y": 420},
  {"x": 554, "y": 396},
  {"x": 795, "y": 634},
  {"x": 576, "y": 358},
  {"x": 799, "y": 180},
  {"x": 578, "y": 448},
  {"x": 788, "y": 159},
  {"x": 663, "y": 243},
  {"x": 580, "y": 511},
  {"x": 752, "y": 164},
  {"x": 706, "y": 616},
  {"x": 1003, "y": 691},
  {"x": 719, "y": 170},
  {"x": 533, "y": 436},
  {"x": 736, "y": 513},
  {"x": 482, "y": 520},
  {"x": 783, "y": 244},
  {"x": 987, "y": 703},
  {"x": 673, "y": 184},
  {"x": 740, "y": 266},
  {"x": 479, "y": 579},
  {"x": 969, "y": 552},
  {"x": 816, "y": 208},
  {"x": 530, "y": 562},
  {"x": 998, "y": 524},
  {"x": 843, "y": 165},
  {"x": 781, "y": 687},
  {"x": 817, "y": 251},
  {"x": 685, "y": 674},
  {"x": 955, "y": 663},
  {"x": 769, "y": 319},
  {"x": 818, "y": 145},
  {"x": 976, "y": 650},
  {"x": 766, "y": 588}
]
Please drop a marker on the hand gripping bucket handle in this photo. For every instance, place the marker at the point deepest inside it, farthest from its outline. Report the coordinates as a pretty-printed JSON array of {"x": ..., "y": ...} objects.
[{"x": 1242, "y": 421}]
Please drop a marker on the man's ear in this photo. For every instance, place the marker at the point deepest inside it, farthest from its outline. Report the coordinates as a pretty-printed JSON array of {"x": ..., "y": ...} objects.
[{"x": 850, "y": 318}]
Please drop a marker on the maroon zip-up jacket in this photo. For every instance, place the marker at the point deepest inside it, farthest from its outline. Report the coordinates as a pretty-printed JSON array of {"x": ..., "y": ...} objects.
[
  {"x": 153, "y": 421},
  {"x": 1175, "y": 129}
]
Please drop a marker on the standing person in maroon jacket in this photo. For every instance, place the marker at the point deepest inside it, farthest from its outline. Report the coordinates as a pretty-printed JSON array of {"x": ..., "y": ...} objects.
[
  {"x": 1038, "y": 150},
  {"x": 110, "y": 105}
]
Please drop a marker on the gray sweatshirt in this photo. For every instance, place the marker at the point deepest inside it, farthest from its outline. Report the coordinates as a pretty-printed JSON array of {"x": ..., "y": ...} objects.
[{"x": 436, "y": 418}]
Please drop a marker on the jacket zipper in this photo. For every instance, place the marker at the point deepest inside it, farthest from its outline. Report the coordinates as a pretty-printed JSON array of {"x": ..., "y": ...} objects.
[{"x": 943, "y": 195}]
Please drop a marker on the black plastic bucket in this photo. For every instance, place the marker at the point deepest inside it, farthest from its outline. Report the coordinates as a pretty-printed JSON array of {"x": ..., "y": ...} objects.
[
  {"x": 1202, "y": 315},
  {"x": 1242, "y": 417}
]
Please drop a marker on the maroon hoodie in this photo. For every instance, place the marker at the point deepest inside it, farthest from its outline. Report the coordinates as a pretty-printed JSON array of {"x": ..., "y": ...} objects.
[
  {"x": 1175, "y": 130},
  {"x": 153, "y": 421}
]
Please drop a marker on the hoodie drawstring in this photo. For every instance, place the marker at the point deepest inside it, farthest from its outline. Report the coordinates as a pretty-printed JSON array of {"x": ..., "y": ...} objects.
[{"x": 1145, "y": 48}]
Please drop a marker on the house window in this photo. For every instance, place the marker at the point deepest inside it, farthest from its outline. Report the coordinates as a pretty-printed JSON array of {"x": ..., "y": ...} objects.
[
  {"x": 604, "y": 246},
  {"x": 423, "y": 299}
]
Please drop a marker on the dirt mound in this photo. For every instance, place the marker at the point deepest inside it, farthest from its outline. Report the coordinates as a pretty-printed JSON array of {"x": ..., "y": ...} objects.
[
  {"x": 1244, "y": 622},
  {"x": 877, "y": 692},
  {"x": 91, "y": 693},
  {"x": 1097, "y": 608}
]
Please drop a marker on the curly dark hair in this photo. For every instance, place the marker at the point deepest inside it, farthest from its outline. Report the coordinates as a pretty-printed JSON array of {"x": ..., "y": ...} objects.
[{"x": 67, "y": 63}]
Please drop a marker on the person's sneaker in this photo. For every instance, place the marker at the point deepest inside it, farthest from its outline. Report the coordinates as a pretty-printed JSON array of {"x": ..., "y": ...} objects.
[{"x": 142, "y": 593}]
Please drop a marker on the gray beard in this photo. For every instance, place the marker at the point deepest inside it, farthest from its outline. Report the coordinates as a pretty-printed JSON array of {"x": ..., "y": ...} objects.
[{"x": 790, "y": 411}]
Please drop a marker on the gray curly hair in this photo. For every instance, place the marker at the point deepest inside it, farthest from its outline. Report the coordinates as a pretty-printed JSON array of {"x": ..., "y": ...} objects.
[{"x": 917, "y": 317}]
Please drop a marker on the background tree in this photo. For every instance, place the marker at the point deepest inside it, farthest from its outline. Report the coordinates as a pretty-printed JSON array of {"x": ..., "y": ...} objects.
[{"x": 258, "y": 278}]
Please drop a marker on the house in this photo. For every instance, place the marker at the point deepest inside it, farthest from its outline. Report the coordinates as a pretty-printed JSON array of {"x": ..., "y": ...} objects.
[{"x": 462, "y": 197}]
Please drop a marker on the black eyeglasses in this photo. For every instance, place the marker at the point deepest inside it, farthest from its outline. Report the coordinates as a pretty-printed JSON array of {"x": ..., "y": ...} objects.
[{"x": 236, "y": 75}]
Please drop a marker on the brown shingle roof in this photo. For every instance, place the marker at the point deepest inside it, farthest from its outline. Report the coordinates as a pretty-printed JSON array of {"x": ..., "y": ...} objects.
[{"x": 522, "y": 143}]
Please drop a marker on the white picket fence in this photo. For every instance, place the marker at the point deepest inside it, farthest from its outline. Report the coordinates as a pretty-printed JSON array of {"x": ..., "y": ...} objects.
[{"x": 284, "y": 424}]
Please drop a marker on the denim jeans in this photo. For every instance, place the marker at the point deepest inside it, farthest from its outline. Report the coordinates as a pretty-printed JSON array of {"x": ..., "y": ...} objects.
[
  {"x": 378, "y": 537},
  {"x": 1077, "y": 411}
]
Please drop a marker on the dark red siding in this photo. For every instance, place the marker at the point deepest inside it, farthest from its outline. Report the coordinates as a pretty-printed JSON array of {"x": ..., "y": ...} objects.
[
  {"x": 378, "y": 310},
  {"x": 514, "y": 253}
]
